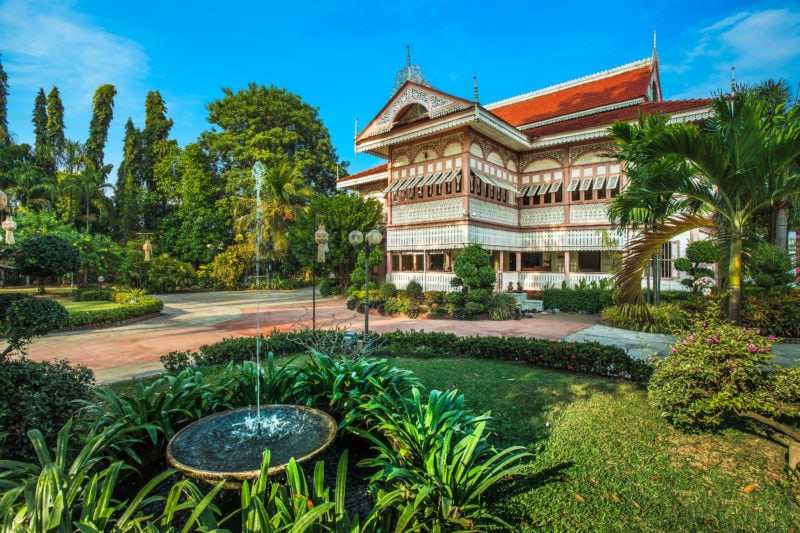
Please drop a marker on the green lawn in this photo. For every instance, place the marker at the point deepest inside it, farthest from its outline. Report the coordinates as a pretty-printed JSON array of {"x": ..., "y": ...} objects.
[
  {"x": 73, "y": 307},
  {"x": 604, "y": 461}
]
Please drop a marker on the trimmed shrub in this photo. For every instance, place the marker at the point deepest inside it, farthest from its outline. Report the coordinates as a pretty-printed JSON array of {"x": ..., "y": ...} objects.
[
  {"x": 414, "y": 289},
  {"x": 387, "y": 290},
  {"x": 667, "y": 318},
  {"x": 37, "y": 395},
  {"x": 395, "y": 305},
  {"x": 329, "y": 287},
  {"x": 144, "y": 306},
  {"x": 30, "y": 317},
  {"x": 581, "y": 300},
  {"x": 774, "y": 313}
]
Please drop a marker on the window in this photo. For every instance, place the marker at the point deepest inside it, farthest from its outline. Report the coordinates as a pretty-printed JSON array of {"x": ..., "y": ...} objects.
[
  {"x": 458, "y": 184},
  {"x": 407, "y": 262},
  {"x": 532, "y": 260},
  {"x": 589, "y": 261},
  {"x": 436, "y": 262},
  {"x": 395, "y": 262}
]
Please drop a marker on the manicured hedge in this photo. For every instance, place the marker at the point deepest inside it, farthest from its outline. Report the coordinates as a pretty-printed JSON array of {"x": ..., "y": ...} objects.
[
  {"x": 588, "y": 358},
  {"x": 586, "y": 300},
  {"x": 146, "y": 306},
  {"x": 774, "y": 313}
]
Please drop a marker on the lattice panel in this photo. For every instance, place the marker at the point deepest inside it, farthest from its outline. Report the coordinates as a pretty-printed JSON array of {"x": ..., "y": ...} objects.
[
  {"x": 494, "y": 213},
  {"x": 494, "y": 239},
  {"x": 439, "y": 238},
  {"x": 604, "y": 147},
  {"x": 447, "y": 209},
  {"x": 542, "y": 216},
  {"x": 589, "y": 214},
  {"x": 572, "y": 240},
  {"x": 527, "y": 159}
]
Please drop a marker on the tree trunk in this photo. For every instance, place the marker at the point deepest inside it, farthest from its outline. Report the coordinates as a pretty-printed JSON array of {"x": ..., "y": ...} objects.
[
  {"x": 782, "y": 226},
  {"x": 735, "y": 278}
]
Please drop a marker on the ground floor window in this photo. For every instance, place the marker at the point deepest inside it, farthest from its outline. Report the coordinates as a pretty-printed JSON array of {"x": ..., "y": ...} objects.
[
  {"x": 531, "y": 260},
  {"x": 436, "y": 262},
  {"x": 589, "y": 261}
]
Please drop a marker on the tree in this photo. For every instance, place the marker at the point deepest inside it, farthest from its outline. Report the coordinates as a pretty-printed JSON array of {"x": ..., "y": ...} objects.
[
  {"x": 155, "y": 147},
  {"x": 267, "y": 125},
  {"x": 341, "y": 214},
  {"x": 86, "y": 185},
  {"x": 739, "y": 164},
  {"x": 54, "y": 130},
  {"x": 129, "y": 191},
  {"x": 26, "y": 318},
  {"x": 44, "y": 156},
  {"x": 283, "y": 196},
  {"x": 102, "y": 114},
  {"x": 630, "y": 210},
  {"x": 5, "y": 135},
  {"x": 45, "y": 256}
]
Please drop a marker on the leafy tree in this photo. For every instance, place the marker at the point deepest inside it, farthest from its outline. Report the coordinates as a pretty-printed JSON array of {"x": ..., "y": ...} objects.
[
  {"x": 200, "y": 226},
  {"x": 155, "y": 146},
  {"x": 341, "y": 214},
  {"x": 228, "y": 269},
  {"x": 86, "y": 186},
  {"x": 44, "y": 156},
  {"x": 697, "y": 252},
  {"x": 267, "y": 125},
  {"x": 770, "y": 266},
  {"x": 5, "y": 136},
  {"x": 102, "y": 114},
  {"x": 44, "y": 256},
  {"x": 739, "y": 164},
  {"x": 54, "y": 129},
  {"x": 27, "y": 318},
  {"x": 99, "y": 255},
  {"x": 129, "y": 190},
  {"x": 473, "y": 270}
]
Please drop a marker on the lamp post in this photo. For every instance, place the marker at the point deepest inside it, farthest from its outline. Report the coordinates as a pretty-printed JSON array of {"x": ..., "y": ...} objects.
[{"x": 372, "y": 238}]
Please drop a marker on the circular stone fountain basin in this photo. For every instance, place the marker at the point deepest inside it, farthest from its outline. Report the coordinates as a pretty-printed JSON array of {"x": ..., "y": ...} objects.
[{"x": 230, "y": 445}]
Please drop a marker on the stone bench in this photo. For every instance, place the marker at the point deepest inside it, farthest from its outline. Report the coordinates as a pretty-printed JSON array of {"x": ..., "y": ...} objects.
[{"x": 526, "y": 305}]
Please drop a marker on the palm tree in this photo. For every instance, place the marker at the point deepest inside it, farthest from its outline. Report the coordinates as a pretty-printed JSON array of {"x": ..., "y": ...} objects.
[
  {"x": 283, "y": 195},
  {"x": 739, "y": 163},
  {"x": 84, "y": 181}
]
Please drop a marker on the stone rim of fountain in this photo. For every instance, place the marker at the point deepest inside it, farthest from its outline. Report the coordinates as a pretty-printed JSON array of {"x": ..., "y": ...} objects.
[{"x": 234, "y": 479}]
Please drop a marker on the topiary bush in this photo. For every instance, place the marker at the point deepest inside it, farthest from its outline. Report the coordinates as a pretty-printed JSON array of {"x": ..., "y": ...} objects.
[
  {"x": 329, "y": 287},
  {"x": 579, "y": 300},
  {"x": 387, "y": 290},
  {"x": 414, "y": 289}
]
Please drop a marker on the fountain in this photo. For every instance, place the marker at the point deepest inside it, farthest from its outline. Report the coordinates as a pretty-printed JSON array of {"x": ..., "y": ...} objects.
[{"x": 230, "y": 445}]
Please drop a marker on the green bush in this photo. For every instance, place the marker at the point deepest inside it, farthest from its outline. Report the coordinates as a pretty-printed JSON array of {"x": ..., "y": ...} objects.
[
  {"x": 168, "y": 274},
  {"x": 774, "y": 313},
  {"x": 580, "y": 300},
  {"x": 395, "y": 305},
  {"x": 667, "y": 318},
  {"x": 30, "y": 317},
  {"x": 37, "y": 395},
  {"x": 717, "y": 370},
  {"x": 93, "y": 295},
  {"x": 502, "y": 306},
  {"x": 144, "y": 306},
  {"x": 388, "y": 290},
  {"x": 329, "y": 287},
  {"x": 414, "y": 289}
]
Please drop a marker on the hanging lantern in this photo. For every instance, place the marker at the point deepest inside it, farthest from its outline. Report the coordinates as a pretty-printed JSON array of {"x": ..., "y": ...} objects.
[
  {"x": 3, "y": 200},
  {"x": 9, "y": 225},
  {"x": 148, "y": 249}
]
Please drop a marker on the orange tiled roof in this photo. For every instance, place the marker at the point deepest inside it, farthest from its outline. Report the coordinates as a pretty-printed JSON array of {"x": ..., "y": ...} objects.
[
  {"x": 621, "y": 85},
  {"x": 609, "y": 117},
  {"x": 369, "y": 171}
]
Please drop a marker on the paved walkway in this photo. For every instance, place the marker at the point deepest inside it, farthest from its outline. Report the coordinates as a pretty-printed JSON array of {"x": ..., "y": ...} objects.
[{"x": 190, "y": 320}]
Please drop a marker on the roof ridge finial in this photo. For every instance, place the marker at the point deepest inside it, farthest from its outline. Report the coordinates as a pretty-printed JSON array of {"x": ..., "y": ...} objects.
[
  {"x": 475, "y": 87},
  {"x": 408, "y": 55}
]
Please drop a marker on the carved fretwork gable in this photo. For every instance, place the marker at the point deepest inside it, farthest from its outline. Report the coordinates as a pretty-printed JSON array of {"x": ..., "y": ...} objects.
[
  {"x": 399, "y": 153},
  {"x": 433, "y": 147},
  {"x": 458, "y": 139},
  {"x": 576, "y": 152},
  {"x": 437, "y": 104},
  {"x": 488, "y": 147},
  {"x": 554, "y": 155}
]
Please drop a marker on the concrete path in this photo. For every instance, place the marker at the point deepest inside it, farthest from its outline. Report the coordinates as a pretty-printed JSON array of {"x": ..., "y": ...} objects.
[{"x": 190, "y": 320}]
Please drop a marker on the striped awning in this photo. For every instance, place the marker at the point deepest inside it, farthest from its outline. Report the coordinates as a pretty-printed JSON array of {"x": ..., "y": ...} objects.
[{"x": 491, "y": 181}]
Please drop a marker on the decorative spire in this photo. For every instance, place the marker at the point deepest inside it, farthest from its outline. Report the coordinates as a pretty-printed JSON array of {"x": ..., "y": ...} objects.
[
  {"x": 409, "y": 73},
  {"x": 355, "y": 136},
  {"x": 475, "y": 87},
  {"x": 733, "y": 81}
]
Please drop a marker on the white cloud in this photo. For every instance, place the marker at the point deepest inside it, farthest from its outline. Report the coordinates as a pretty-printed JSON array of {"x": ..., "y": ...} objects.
[
  {"x": 761, "y": 45},
  {"x": 48, "y": 43}
]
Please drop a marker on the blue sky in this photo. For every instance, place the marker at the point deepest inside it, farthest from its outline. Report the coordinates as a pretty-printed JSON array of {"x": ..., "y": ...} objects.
[{"x": 342, "y": 56}]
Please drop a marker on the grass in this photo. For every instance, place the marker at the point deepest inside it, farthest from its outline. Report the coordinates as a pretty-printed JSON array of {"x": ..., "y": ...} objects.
[
  {"x": 74, "y": 307},
  {"x": 604, "y": 461}
]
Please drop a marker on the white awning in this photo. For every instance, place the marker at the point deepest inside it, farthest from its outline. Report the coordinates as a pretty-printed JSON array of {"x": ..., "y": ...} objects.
[
  {"x": 533, "y": 189},
  {"x": 523, "y": 190},
  {"x": 452, "y": 175},
  {"x": 555, "y": 186},
  {"x": 491, "y": 181},
  {"x": 573, "y": 184},
  {"x": 544, "y": 188},
  {"x": 612, "y": 182}
]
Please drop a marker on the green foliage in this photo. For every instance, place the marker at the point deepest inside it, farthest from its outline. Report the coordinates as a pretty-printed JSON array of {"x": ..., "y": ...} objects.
[
  {"x": 99, "y": 256},
  {"x": 413, "y": 289},
  {"x": 774, "y": 313},
  {"x": 395, "y": 305},
  {"x": 27, "y": 318},
  {"x": 472, "y": 267},
  {"x": 770, "y": 266},
  {"x": 228, "y": 269},
  {"x": 589, "y": 358},
  {"x": 716, "y": 370},
  {"x": 666, "y": 318},
  {"x": 579, "y": 300},
  {"x": 387, "y": 290},
  {"x": 93, "y": 295},
  {"x": 329, "y": 287},
  {"x": 143, "y": 306},
  {"x": 37, "y": 395},
  {"x": 167, "y": 274},
  {"x": 502, "y": 306},
  {"x": 46, "y": 255}
]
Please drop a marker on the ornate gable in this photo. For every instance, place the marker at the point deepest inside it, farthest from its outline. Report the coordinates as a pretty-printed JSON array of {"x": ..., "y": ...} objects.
[{"x": 435, "y": 103}]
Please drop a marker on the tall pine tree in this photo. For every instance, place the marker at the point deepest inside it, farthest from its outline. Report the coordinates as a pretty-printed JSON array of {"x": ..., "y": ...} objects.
[
  {"x": 128, "y": 192},
  {"x": 5, "y": 136},
  {"x": 102, "y": 114},
  {"x": 54, "y": 131},
  {"x": 42, "y": 153}
]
